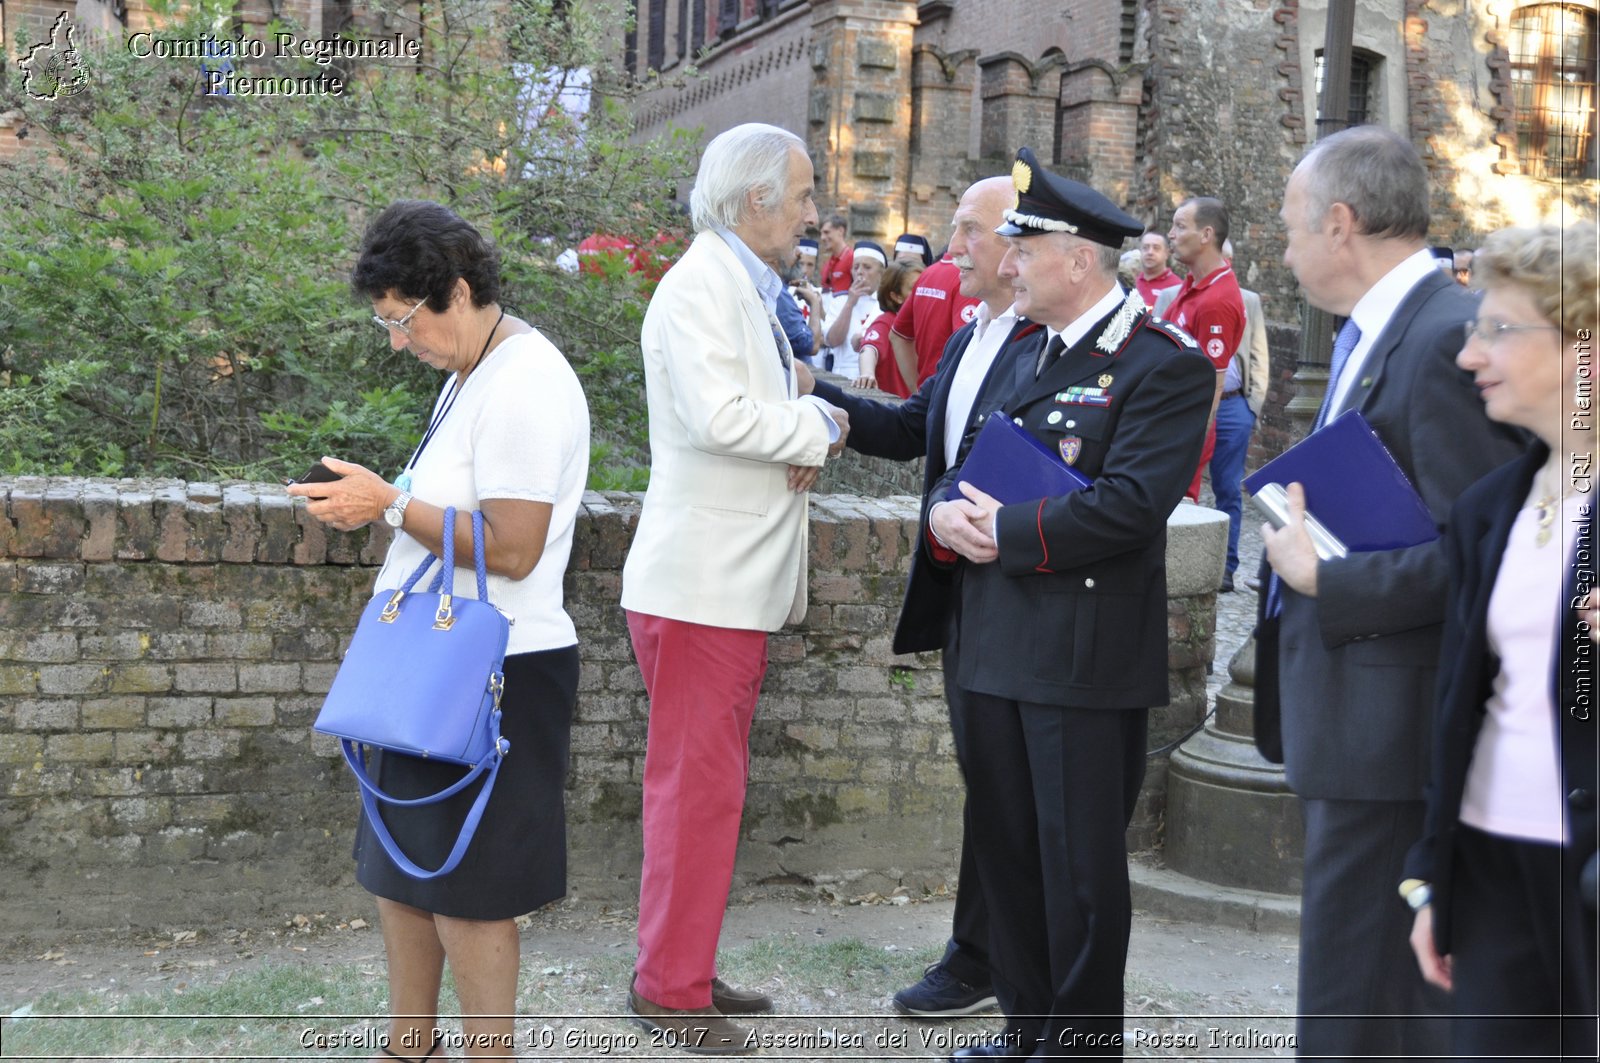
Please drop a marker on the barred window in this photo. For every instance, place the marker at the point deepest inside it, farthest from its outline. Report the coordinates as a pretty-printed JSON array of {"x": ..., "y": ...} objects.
[
  {"x": 1552, "y": 87},
  {"x": 656, "y": 52},
  {"x": 1364, "y": 67}
]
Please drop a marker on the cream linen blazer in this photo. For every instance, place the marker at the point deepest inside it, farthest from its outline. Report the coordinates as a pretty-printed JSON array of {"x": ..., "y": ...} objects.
[{"x": 721, "y": 540}]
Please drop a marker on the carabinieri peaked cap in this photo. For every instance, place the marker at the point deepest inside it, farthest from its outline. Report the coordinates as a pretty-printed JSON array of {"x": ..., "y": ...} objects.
[{"x": 1047, "y": 203}]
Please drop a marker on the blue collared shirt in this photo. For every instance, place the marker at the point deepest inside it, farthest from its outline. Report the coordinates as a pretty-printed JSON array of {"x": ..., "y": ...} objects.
[
  {"x": 768, "y": 283},
  {"x": 770, "y": 286}
]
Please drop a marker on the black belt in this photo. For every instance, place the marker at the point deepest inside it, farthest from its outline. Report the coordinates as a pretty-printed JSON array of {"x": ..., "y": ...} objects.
[{"x": 1235, "y": 393}]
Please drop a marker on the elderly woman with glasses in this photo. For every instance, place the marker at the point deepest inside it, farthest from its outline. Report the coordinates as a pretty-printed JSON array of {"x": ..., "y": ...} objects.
[
  {"x": 508, "y": 435},
  {"x": 1503, "y": 879}
]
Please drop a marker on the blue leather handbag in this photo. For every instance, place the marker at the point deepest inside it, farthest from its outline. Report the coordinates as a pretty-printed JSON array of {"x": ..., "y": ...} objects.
[{"x": 422, "y": 678}]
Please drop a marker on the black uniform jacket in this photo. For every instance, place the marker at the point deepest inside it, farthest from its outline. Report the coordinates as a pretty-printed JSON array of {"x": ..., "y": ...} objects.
[
  {"x": 914, "y": 428},
  {"x": 1074, "y": 612},
  {"x": 1480, "y": 526}
]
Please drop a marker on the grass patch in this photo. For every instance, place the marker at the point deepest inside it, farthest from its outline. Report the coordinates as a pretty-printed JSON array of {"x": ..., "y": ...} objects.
[
  {"x": 293, "y": 1011},
  {"x": 845, "y": 965},
  {"x": 262, "y": 1013}
]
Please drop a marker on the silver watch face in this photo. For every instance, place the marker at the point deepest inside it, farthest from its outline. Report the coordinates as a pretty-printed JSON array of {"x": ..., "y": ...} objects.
[{"x": 394, "y": 514}]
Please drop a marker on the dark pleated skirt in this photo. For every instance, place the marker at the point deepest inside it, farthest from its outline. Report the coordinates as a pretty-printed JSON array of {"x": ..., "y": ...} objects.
[{"x": 517, "y": 861}]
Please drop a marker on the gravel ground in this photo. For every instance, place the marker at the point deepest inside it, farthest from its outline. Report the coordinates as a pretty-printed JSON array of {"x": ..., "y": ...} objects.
[{"x": 1193, "y": 992}]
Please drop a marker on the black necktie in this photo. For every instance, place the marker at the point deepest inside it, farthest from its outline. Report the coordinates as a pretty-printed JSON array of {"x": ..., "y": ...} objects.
[{"x": 1048, "y": 357}]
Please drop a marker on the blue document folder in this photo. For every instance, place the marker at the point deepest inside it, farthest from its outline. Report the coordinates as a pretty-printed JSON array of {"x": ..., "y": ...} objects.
[
  {"x": 1353, "y": 486},
  {"x": 1006, "y": 461}
]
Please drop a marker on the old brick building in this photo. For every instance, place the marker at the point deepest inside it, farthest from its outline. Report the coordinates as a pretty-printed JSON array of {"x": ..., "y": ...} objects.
[{"x": 904, "y": 103}]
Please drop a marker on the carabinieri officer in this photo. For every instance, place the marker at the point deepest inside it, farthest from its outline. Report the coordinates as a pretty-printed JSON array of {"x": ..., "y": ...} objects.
[{"x": 1062, "y": 630}]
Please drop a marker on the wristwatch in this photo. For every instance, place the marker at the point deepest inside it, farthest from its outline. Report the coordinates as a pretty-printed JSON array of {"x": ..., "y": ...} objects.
[
  {"x": 1417, "y": 893},
  {"x": 394, "y": 514}
]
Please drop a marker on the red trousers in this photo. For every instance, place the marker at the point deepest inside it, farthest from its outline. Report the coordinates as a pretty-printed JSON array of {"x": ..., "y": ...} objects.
[
  {"x": 703, "y": 683},
  {"x": 1193, "y": 494}
]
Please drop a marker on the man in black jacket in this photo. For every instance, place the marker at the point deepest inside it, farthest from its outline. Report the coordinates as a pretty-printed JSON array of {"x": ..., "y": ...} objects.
[
  {"x": 1060, "y": 644},
  {"x": 933, "y": 422}
]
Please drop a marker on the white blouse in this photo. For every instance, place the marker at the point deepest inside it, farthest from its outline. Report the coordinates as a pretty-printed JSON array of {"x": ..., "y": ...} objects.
[
  {"x": 518, "y": 429},
  {"x": 1514, "y": 780}
]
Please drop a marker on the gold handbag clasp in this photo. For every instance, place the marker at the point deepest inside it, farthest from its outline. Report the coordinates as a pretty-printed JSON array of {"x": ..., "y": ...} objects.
[
  {"x": 444, "y": 620},
  {"x": 391, "y": 608}
]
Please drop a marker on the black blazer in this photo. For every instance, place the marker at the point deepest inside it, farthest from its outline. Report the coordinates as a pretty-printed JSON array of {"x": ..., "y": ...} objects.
[
  {"x": 912, "y": 429},
  {"x": 1074, "y": 612},
  {"x": 1474, "y": 546},
  {"x": 1358, "y": 662}
]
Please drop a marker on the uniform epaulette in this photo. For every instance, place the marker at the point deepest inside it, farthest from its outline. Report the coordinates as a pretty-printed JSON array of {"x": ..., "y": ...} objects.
[{"x": 1172, "y": 332}]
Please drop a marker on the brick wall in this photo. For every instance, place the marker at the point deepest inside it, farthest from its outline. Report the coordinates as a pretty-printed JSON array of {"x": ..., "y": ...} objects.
[
  {"x": 766, "y": 60},
  {"x": 164, "y": 648}
]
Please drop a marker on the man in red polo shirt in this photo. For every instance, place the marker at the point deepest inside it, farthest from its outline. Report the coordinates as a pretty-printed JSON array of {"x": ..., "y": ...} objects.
[
  {"x": 1154, "y": 274},
  {"x": 1208, "y": 306},
  {"x": 837, "y": 256},
  {"x": 929, "y": 318}
]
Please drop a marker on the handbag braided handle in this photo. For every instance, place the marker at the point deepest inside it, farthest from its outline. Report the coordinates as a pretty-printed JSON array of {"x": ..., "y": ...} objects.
[{"x": 449, "y": 558}]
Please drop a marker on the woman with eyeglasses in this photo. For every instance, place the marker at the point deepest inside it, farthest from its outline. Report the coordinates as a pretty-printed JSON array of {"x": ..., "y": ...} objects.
[
  {"x": 1503, "y": 880},
  {"x": 508, "y": 435}
]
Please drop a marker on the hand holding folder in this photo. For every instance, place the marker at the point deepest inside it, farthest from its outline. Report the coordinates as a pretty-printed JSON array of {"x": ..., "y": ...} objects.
[
  {"x": 1008, "y": 463},
  {"x": 1357, "y": 496}
]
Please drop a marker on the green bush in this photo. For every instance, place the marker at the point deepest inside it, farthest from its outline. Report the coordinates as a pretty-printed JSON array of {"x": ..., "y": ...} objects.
[{"x": 173, "y": 272}]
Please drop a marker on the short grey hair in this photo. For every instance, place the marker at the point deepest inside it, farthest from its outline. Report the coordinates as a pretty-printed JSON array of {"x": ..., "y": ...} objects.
[
  {"x": 747, "y": 158},
  {"x": 1106, "y": 258},
  {"x": 1374, "y": 172}
]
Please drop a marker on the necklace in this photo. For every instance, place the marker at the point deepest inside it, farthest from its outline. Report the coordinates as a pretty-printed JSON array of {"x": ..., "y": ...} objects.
[
  {"x": 403, "y": 481},
  {"x": 1548, "y": 505}
]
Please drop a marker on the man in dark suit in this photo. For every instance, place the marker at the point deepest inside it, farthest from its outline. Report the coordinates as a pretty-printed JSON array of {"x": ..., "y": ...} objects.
[
  {"x": 1060, "y": 641},
  {"x": 1347, "y": 670},
  {"x": 933, "y": 422}
]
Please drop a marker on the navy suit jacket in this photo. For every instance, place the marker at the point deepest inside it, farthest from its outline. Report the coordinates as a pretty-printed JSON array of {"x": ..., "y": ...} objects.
[{"x": 1346, "y": 679}]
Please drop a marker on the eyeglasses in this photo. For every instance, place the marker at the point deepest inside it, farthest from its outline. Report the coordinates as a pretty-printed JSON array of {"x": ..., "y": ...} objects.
[
  {"x": 1490, "y": 330},
  {"x": 402, "y": 324}
]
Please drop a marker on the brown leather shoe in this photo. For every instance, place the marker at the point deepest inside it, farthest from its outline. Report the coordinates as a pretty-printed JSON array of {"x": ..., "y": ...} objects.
[
  {"x": 730, "y": 1001},
  {"x": 699, "y": 1030}
]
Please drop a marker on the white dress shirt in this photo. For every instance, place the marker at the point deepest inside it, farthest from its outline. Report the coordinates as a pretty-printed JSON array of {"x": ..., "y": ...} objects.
[
  {"x": 1372, "y": 313},
  {"x": 988, "y": 336}
]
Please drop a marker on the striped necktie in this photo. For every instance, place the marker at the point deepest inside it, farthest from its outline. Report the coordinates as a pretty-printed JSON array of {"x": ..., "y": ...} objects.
[
  {"x": 1343, "y": 344},
  {"x": 780, "y": 339}
]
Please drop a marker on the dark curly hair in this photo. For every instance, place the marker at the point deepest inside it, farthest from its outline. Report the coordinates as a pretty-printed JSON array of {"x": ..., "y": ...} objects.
[{"x": 419, "y": 249}]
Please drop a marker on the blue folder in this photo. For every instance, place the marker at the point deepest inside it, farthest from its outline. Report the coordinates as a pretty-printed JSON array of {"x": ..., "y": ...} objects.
[
  {"x": 1353, "y": 486},
  {"x": 1006, "y": 461}
]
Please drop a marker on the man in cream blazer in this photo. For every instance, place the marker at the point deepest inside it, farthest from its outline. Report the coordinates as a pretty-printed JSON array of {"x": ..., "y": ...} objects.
[{"x": 718, "y": 561}]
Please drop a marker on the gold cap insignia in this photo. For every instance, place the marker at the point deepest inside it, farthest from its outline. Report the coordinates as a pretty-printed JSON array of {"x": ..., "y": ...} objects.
[{"x": 1021, "y": 176}]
